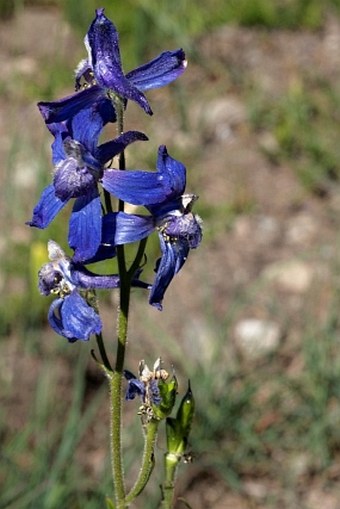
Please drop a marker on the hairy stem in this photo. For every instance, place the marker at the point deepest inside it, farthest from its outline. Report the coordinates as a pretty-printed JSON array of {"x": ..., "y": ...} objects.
[
  {"x": 116, "y": 384},
  {"x": 122, "y": 330},
  {"x": 171, "y": 462},
  {"x": 126, "y": 276},
  {"x": 148, "y": 462}
]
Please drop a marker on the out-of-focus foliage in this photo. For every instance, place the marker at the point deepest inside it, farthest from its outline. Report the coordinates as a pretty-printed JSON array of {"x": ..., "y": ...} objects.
[
  {"x": 145, "y": 25},
  {"x": 305, "y": 124}
]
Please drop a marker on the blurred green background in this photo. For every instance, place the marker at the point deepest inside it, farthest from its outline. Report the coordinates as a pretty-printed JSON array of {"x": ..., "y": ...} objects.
[{"x": 253, "y": 318}]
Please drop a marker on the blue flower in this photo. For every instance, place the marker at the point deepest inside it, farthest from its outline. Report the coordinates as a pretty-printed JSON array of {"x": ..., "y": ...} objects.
[
  {"x": 79, "y": 165},
  {"x": 171, "y": 216},
  {"x": 104, "y": 77},
  {"x": 70, "y": 315}
]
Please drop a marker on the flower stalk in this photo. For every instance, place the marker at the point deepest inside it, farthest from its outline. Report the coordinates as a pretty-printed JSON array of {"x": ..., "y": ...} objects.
[
  {"x": 122, "y": 329},
  {"x": 171, "y": 462},
  {"x": 98, "y": 231},
  {"x": 148, "y": 461}
]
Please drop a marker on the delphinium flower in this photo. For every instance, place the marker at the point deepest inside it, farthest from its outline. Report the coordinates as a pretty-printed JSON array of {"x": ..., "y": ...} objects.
[
  {"x": 146, "y": 384},
  {"x": 156, "y": 391},
  {"x": 171, "y": 216},
  {"x": 79, "y": 166},
  {"x": 104, "y": 77},
  {"x": 70, "y": 315}
]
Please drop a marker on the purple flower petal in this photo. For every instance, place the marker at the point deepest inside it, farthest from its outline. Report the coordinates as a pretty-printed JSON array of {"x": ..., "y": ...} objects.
[
  {"x": 148, "y": 188},
  {"x": 135, "y": 388},
  {"x": 173, "y": 170},
  {"x": 104, "y": 56},
  {"x": 84, "y": 278},
  {"x": 65, "y": 108},
  {"x": 107, "y": 151},
  {"x": 135, "y": 187},
  {"x": 173, "y": 257},
  {"x": 121, "y": 228},
  {"x": 60, "y": 133},
  {"x": 102, "y": 41},
  {"x": 73, "y": 318},
  {"x": 72, "y": 181},
  {"x": 46, "y": 209},
  {"x": 104, "y": 252},
  {"x": 86, "y": 127},
  {"x": 185, "y": 227},
  {"x": 85, "y": 227},
  {"x": 160, "y": 71}
]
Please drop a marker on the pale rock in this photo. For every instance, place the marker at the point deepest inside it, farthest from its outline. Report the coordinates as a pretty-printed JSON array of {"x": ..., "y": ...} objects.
[
  {"x": 220, "y": 116},
  {"x": 291, "y": 275},
  {"x": 20, "y": 66},
  {"x": 256, "y": 337},
  {"x": 299, "y": 464},
  {"x": 269, "y": 143},
  {"x": 267, "y": 229},
  {"x": 25, "y": 174},
  {"x": 261, "y": 229},
  {"x": 320, "y": 498},
  {"x": 301, "y": 229},
  {"x": 242, "y": 227},
  {"x": 255, "y": 489}
]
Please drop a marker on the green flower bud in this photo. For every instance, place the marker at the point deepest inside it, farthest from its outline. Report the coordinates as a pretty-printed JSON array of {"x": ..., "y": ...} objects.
[
  {"x": 185, "y": 413},
  {"x": 178, "y": 429}
]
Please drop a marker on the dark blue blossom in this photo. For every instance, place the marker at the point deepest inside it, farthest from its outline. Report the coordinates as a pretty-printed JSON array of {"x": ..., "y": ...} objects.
[
  {"x": 104, "y": 77},
  {"x": 70, "y": 315},
  {"x": 79, "y": 165},
  {"x": 171, "y": 216},
  {"x": 146, "y": 385}
]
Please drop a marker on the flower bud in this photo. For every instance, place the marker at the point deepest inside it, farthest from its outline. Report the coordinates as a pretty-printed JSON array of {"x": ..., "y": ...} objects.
[{"x": 178, "y": 429}]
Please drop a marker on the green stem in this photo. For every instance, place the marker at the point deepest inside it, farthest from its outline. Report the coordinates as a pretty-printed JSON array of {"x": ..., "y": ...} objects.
[
  {"x": 171, "y": 462},
  {"x": 116, "y": 377},
  {"x": 122, "y": 330},
  {"x": 119, "y": 105},
  {"x": 102, "y": 351},
  {"x": 148, "y": 462},
  {"x": 116, "y": 387},
  {"x": 138, "y": 258},
  {"x": 116, "y": 452},
  {"x": 107, "y": 200}
]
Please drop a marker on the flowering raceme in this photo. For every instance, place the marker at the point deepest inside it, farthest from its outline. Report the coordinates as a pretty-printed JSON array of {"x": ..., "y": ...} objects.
[
  {"x": 104, "y": 77},
  {"x": 93, "y": 174}
]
